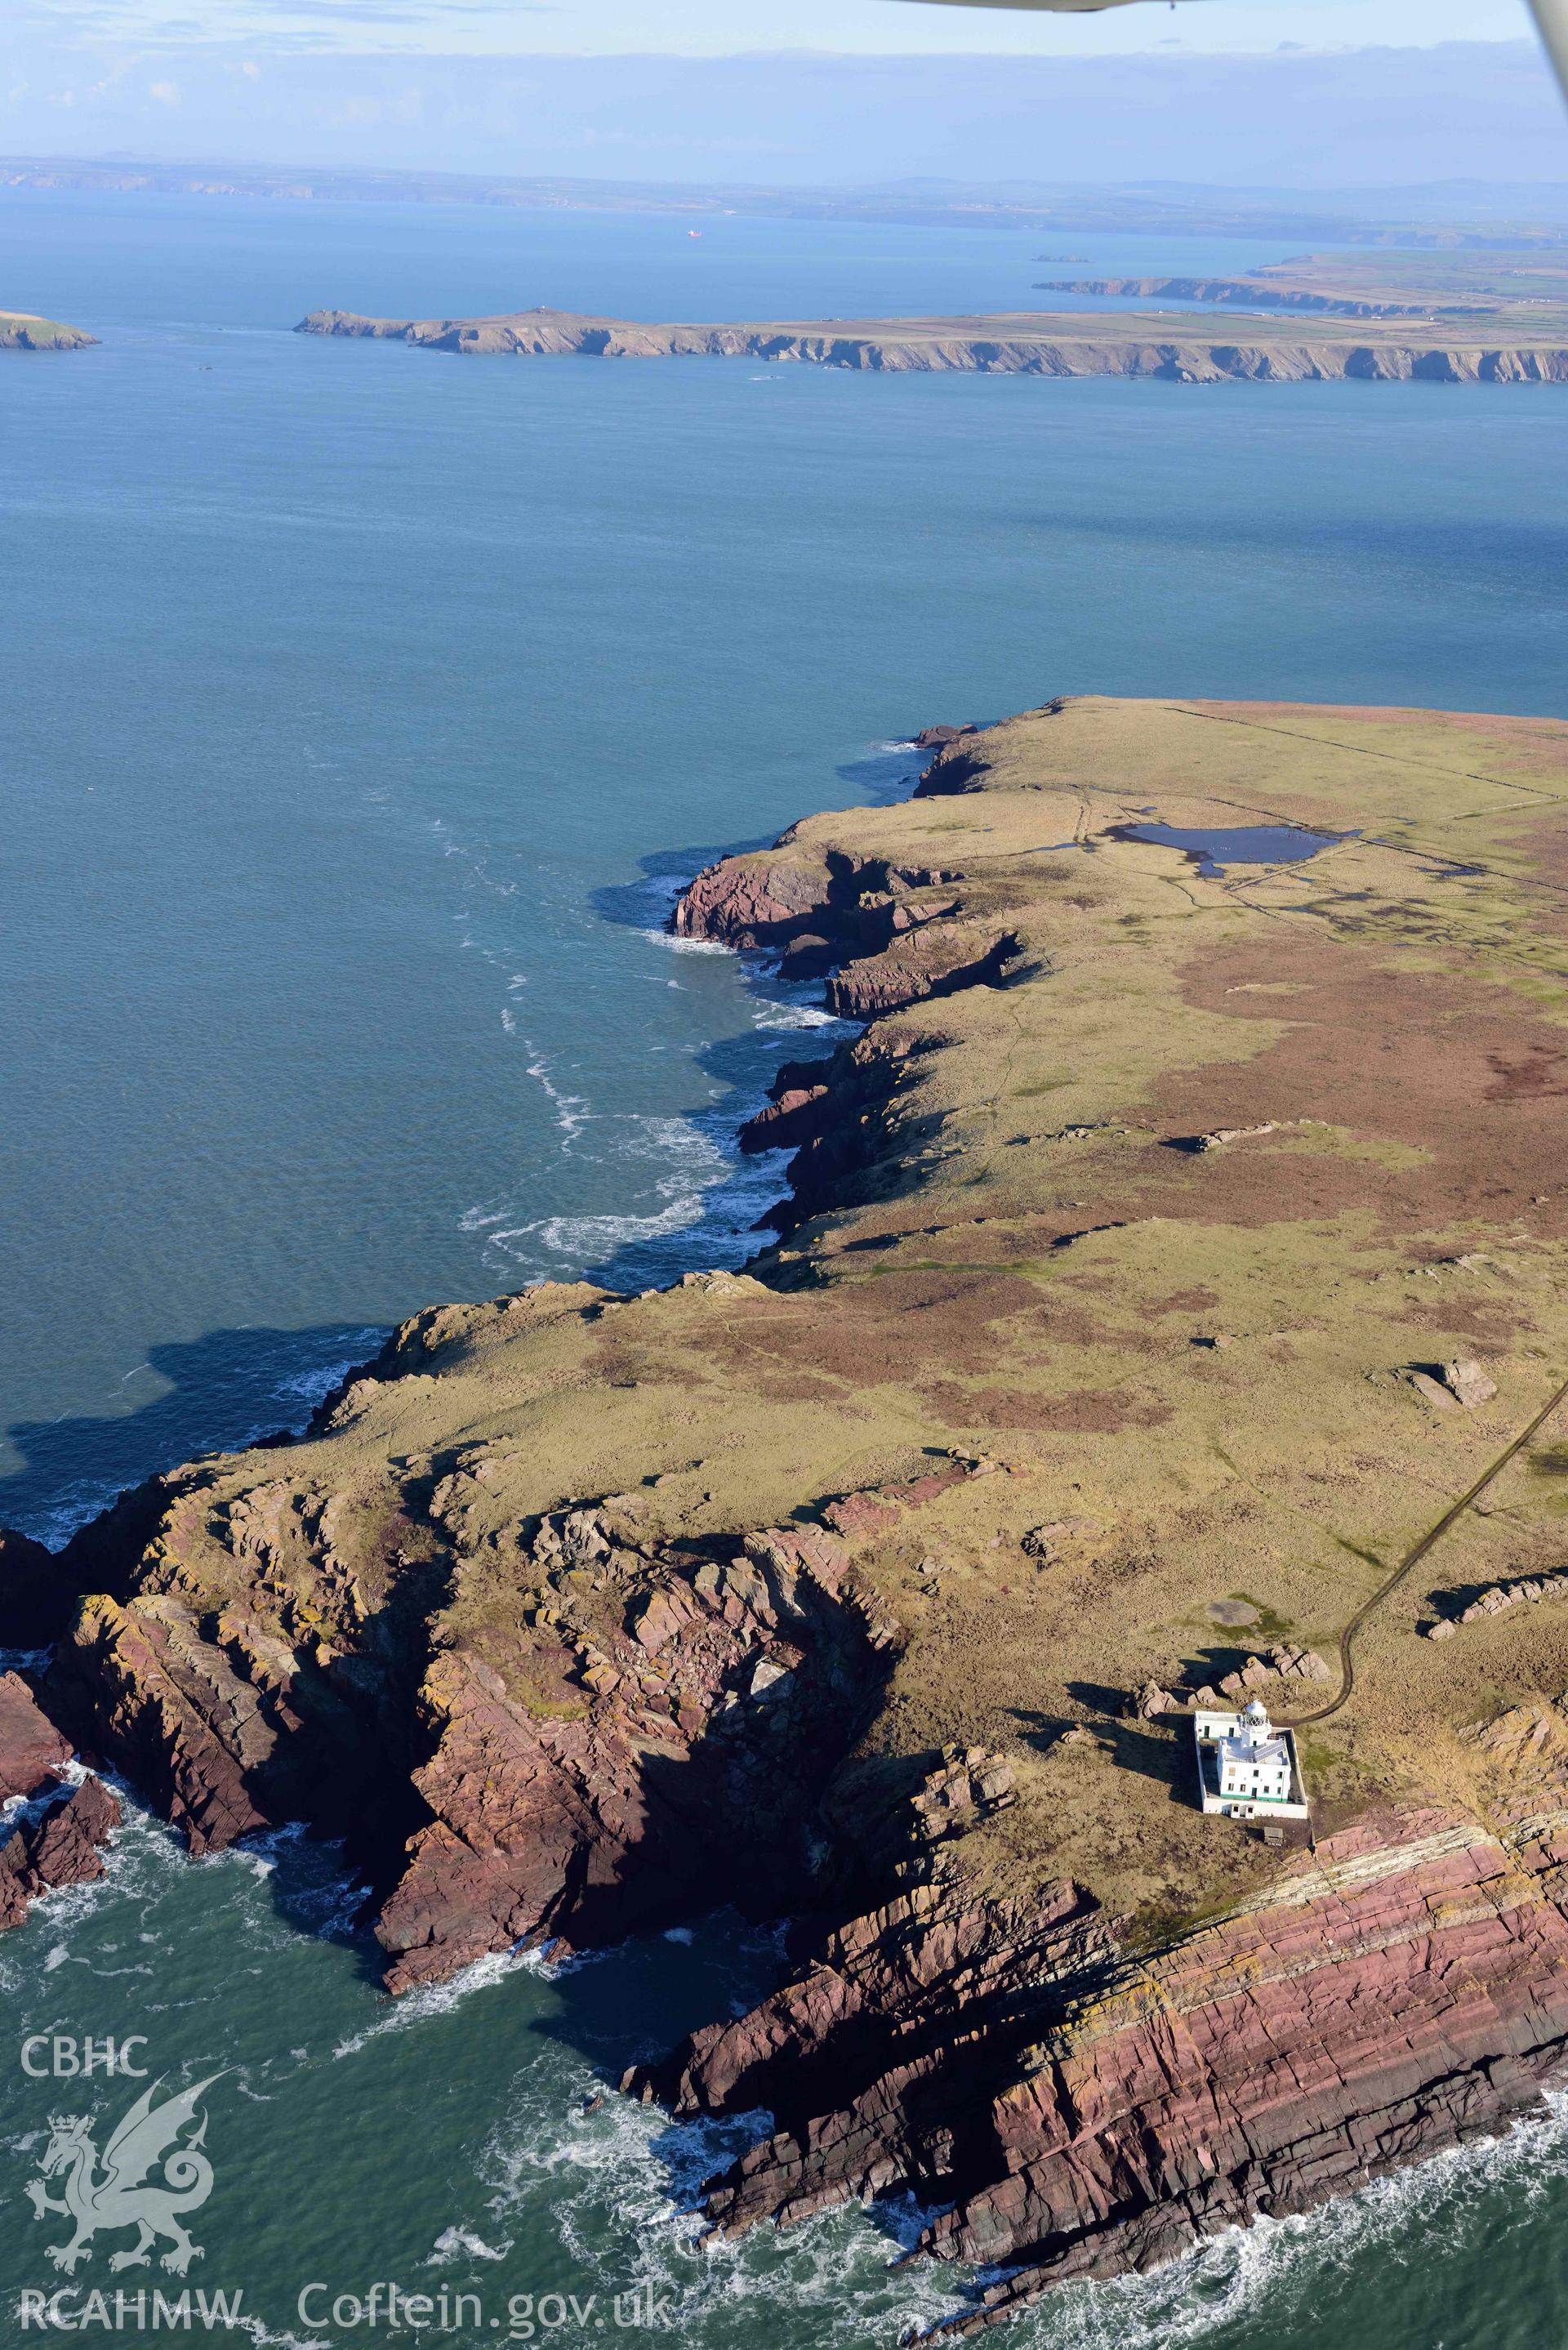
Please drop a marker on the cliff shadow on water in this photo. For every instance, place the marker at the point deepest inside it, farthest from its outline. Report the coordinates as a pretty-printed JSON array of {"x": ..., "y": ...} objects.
[{"x": 223, "y": 1391}]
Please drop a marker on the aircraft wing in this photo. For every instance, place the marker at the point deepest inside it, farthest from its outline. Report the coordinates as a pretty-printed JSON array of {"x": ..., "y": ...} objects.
[{"x": 1061, "y": 7}]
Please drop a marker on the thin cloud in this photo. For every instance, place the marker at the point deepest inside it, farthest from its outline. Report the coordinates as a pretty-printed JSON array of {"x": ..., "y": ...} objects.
[{"x": 343, "y": 12}]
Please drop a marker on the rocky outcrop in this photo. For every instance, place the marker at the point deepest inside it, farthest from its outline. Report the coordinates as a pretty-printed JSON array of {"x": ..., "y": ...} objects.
[
  {"x": 58, "y": 1845},
  {"x": 165, "y": 1705},
  {"x": 742, "y": 903},
  {"x": 1528, "y": 1591},
  {"x": 1013, "y": 344},
  {"x": 62, "y": 1846},
  {"x": 796, "y": 1115},
  {"x": 887, "y": 937},
  {"x": 1154, "y": 1698},
  {"x": 1285, "y": 1662},
  {"x": 653, "y": 1745},
  {"x": 958, "y": 766},
  {"x": 844, "y": 1156},
  {"x": 936, "y": 961},
  {"x": 1079, "y": 2109},
  {"x": 291, "y": 1699},
  {"x": 845, "y": 906},
  {"x": 651, "y": 1741},
  {"x": 31, "y": 1748},
  {"x": 708, "y": 1704},
  {"x": 1445, "y": 1384},
  {"x": 913, "y": 2011}
]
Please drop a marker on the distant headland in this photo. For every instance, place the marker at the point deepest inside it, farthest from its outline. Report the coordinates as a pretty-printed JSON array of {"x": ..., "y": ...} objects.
[
  {"x": 1500, "y": 292},
  {"x": 1178, "y": 347}
]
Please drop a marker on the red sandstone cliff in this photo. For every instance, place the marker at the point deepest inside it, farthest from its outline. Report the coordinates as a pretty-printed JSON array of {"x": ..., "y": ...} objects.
[
  {"x": 653, "y": 1745},
  {"x": 58, "y": 1844},
  {"x": 1080, "y": 2109}
]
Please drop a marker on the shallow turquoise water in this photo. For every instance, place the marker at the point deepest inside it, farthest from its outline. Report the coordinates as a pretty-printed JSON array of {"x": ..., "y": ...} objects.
[{"x": 362, "y": 709}]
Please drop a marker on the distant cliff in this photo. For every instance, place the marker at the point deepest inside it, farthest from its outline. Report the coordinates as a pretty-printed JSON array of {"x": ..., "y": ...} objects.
[
  {"x": 1251, "y": 293},
  {"x": 1171, "y": 347}
]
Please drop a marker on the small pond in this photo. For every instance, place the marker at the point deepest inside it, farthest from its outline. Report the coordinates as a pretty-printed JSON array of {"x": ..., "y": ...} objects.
[{"x": 1212, "y": 849}]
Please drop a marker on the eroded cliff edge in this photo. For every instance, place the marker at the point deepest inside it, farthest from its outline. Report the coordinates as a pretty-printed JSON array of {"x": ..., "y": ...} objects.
[{"x": 1083, "y": 1359}]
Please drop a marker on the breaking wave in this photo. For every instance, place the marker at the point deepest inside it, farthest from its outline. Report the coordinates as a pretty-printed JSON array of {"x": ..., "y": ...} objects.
[
  {"x": 417, "y": 2007},
  {"x": 315, "y": 1383},
  {"x": 1322, "y": 2275}
]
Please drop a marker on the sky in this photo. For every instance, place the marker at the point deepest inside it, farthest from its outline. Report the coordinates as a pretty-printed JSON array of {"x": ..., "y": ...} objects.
[
  {"x": 726, "y": 28},
  {"x": 792, "y": 92}
]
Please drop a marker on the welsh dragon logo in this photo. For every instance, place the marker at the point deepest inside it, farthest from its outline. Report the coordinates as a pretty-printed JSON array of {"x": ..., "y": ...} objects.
[{"x": 120, "y": 2194}]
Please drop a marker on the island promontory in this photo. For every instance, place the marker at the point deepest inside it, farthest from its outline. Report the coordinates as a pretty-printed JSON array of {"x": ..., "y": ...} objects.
[
  {"x": 1164, "y": 1305},
  {"x": 20, "y": 330}
]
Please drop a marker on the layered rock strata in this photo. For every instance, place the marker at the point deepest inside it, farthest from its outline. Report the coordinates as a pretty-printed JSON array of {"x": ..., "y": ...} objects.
[{"x": 1078, "y": 2109}]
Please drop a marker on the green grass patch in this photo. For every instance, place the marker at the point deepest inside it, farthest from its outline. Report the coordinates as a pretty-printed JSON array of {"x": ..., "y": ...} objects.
[{"x": 1271, "y": 1625}]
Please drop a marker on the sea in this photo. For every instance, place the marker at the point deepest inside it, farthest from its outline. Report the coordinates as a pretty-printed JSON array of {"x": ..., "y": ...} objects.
[{"x": 364, "y": 709}]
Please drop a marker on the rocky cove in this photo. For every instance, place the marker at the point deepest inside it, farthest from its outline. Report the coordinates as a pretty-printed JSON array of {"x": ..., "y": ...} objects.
[{"x": 825, "y": 1589}]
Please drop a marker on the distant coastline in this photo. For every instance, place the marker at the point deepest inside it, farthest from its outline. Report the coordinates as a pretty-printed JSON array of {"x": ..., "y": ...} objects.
[
  {"x": 1463, "y": 214},
  {"x": 1498, "y": 295},
  {"x": 1171, "y": 347}
]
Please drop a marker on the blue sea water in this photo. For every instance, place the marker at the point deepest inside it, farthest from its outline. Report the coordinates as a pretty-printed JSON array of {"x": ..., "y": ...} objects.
[{"x": 362, "y": 710}]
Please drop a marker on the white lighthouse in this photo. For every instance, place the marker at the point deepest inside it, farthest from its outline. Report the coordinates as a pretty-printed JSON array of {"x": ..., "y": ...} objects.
[{"x": 1246, "y": 1767}]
